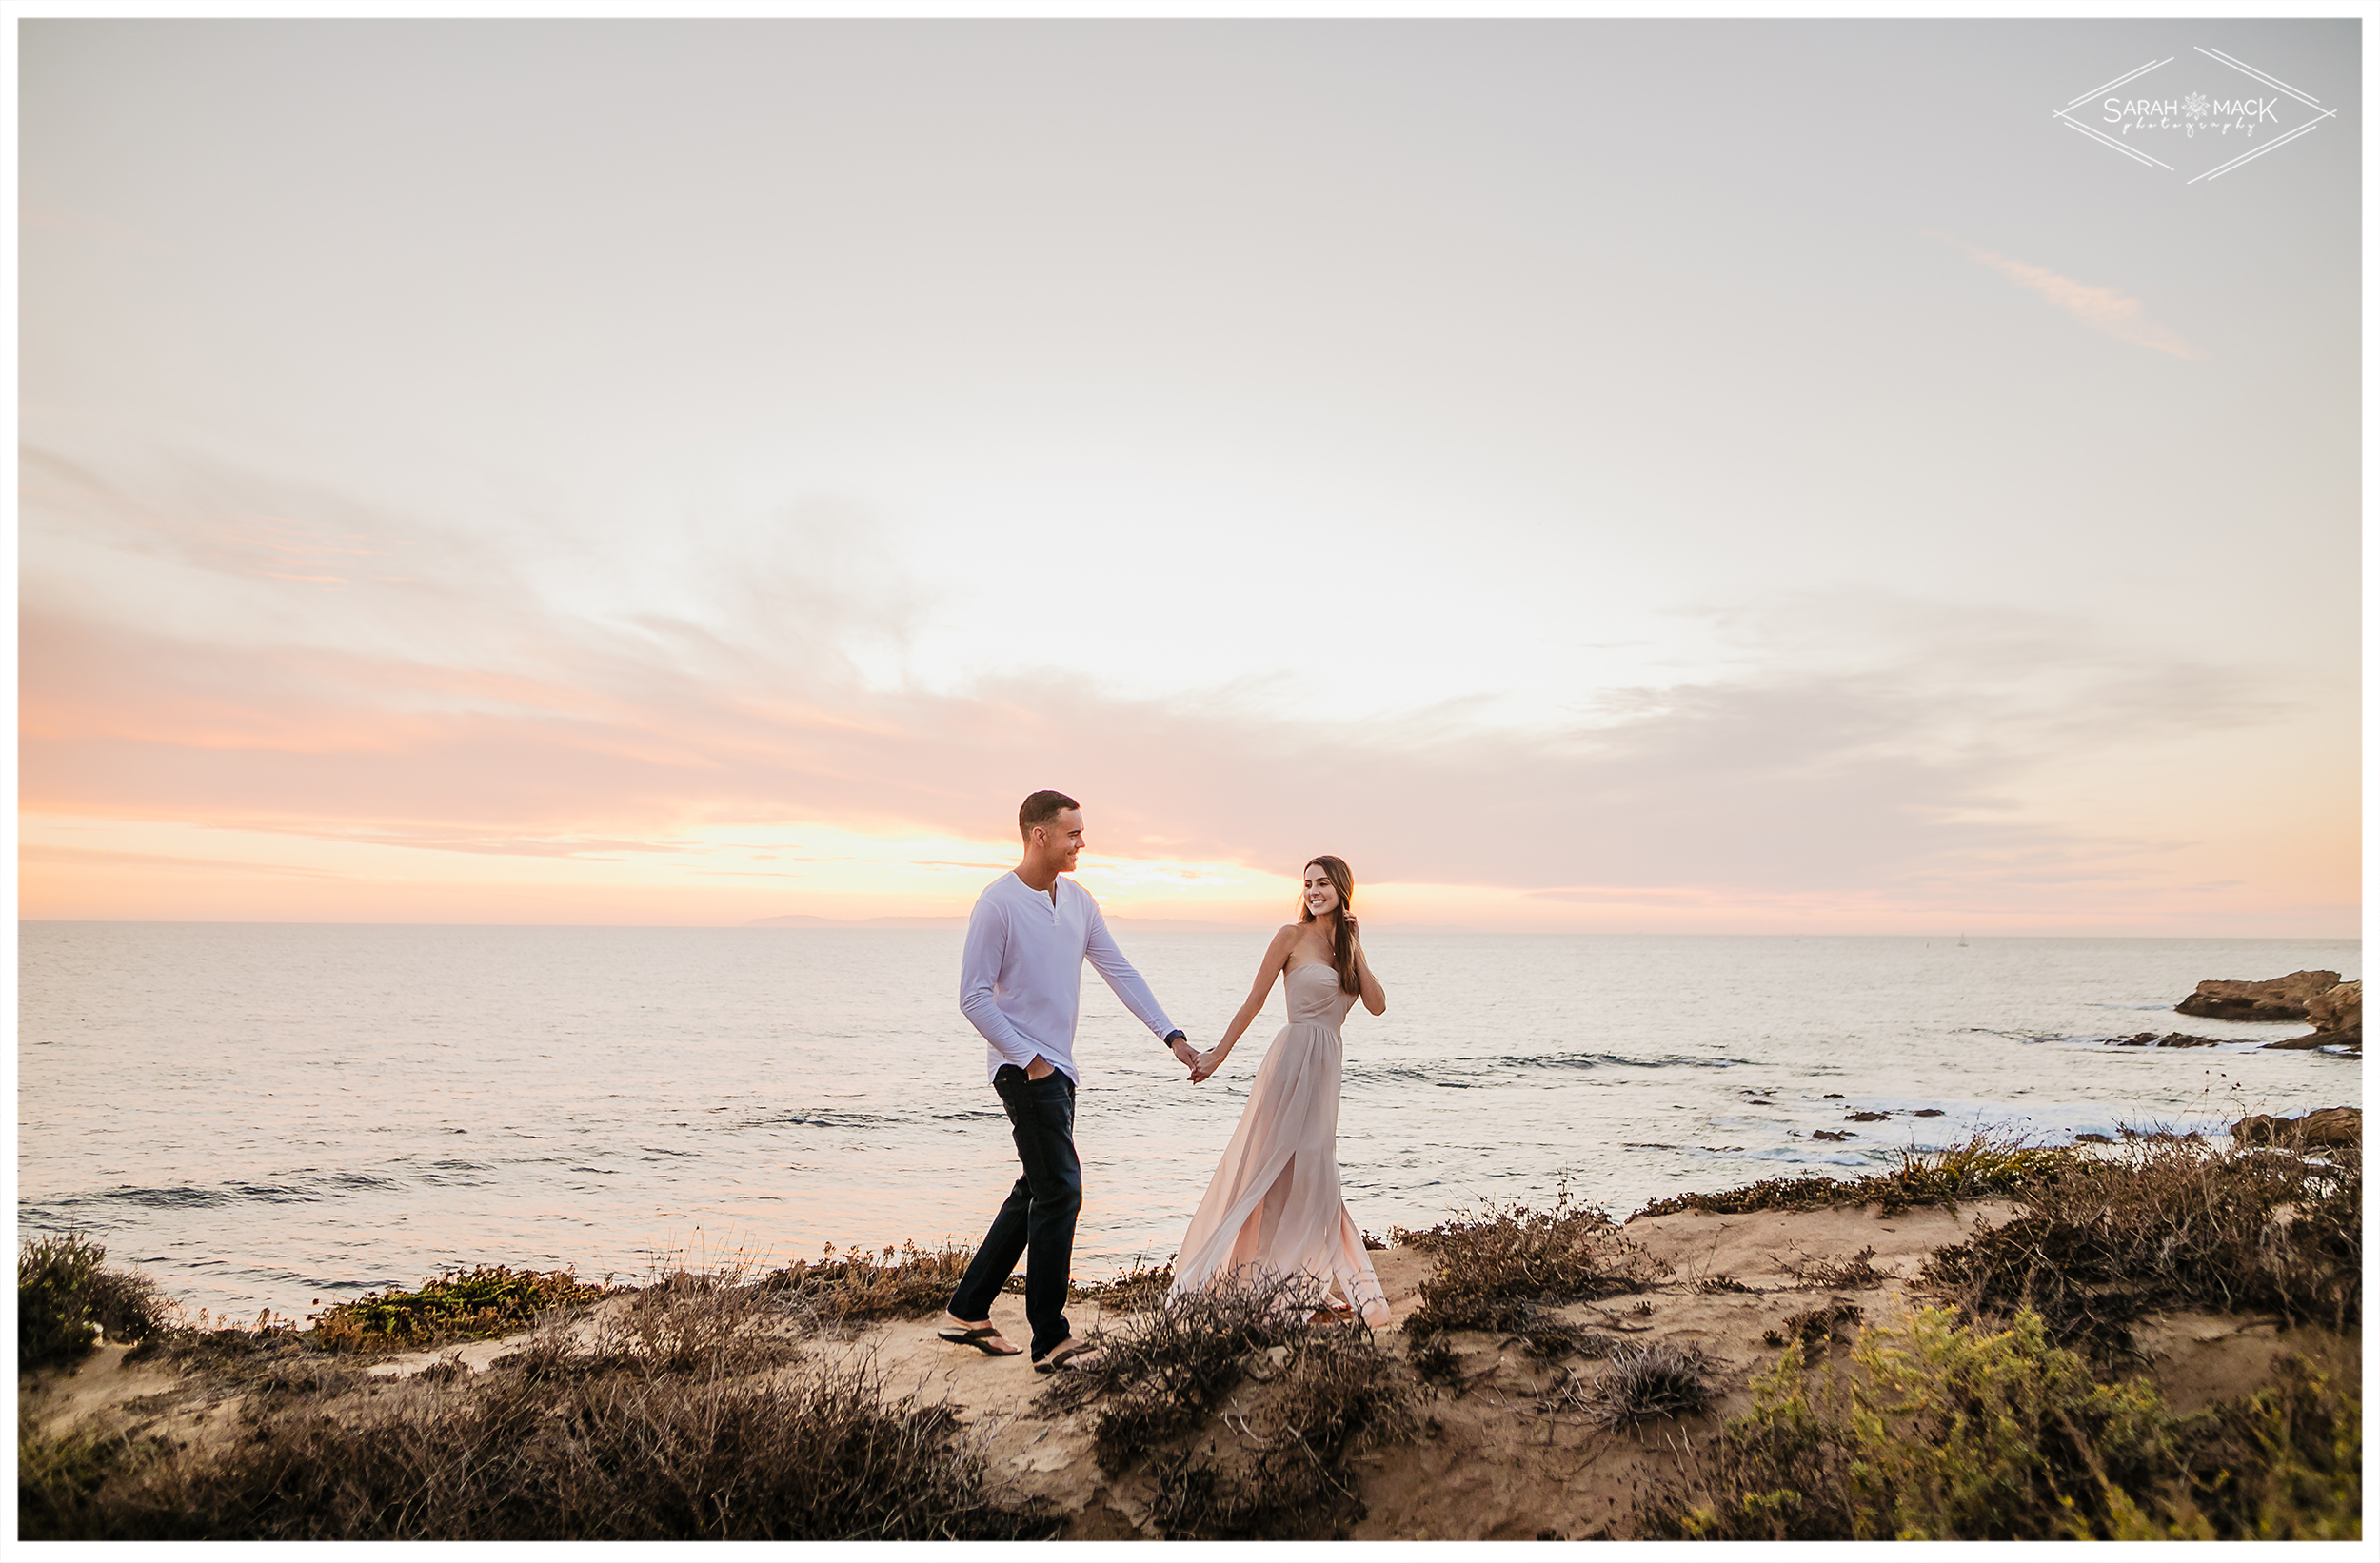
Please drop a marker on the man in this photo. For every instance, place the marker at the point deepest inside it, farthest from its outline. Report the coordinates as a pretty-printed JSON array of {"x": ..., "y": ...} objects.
[{"x": 1021, "y": 982}]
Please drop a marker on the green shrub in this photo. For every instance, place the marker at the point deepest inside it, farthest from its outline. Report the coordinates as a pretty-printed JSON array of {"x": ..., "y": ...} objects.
[
  {"x": 2283, "y": 1464},
  {"x": 1948, "y": 1432},
  {"x": 1984, "y": 1168},
  {"x": 2001, "y": 1435},
  {"x": 64, "y": 1289},
  {"x": 57, "y": 1478},
  {"x": 485, "y": 1300}
]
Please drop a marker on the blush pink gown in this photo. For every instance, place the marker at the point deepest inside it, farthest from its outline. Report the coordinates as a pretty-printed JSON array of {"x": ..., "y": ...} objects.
[{"x": 1274, "y": 1205}]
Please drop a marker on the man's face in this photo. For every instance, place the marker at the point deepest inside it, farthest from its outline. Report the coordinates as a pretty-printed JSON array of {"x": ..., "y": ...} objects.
[{"x": 1062, "y": 838}]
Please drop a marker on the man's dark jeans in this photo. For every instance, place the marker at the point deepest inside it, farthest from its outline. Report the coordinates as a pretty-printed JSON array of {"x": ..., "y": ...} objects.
[{"x": 1038, "y": 1220}]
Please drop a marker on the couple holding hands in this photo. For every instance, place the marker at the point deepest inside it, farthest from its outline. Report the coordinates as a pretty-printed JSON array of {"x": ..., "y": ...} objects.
[{"x": 1273, "y": 1207}]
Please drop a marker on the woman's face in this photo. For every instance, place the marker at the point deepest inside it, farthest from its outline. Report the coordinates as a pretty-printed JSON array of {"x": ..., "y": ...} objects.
[{"x": 1322, "y": 894}]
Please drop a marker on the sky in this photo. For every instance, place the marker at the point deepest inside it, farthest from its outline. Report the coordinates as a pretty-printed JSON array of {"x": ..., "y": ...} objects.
[{"x": 1627, "y": 476}]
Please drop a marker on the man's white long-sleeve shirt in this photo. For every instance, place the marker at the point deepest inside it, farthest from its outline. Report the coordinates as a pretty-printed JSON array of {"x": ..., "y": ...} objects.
[{"x": 1020, "y": 977}]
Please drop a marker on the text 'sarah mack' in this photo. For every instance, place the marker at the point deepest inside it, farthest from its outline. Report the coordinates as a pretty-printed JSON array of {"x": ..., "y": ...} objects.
[{"x": 2250, "y": 110}]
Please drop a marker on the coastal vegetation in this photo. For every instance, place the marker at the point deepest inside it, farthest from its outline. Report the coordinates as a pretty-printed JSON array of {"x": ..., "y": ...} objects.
[
  {"x": 1943, "y": 1430},
  {"x": 1136, "y": 1287},
  {"x": 865, "y": 1285},
  {"x": 2010, "y": 1389},
  {"x": 67, "y": 1299},
  {"x": 1985, "y": 1167},
  {"x": 2274, "y": 1228},
  {"x": 2272, "y": 1222},
  {"x": 472, "y": 1304},
  {"x": 1638, "y": 1384},
  {"x": 908, "y": 1282},
  {"x": 686, "y": 1414},
  {"x": 1497, "y": 1270},
  {"x": 2017, "y": 1409},
  {"x": 1303, "y": 1398}
]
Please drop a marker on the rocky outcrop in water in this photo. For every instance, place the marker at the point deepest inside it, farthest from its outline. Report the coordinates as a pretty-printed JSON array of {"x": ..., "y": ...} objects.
[
  {"x": 2338, "y": 1018},
  {"x": 2335, "y": 1008},
  {"x": 2323, "y": 1126},
  {"x": 2171, "y": 1039},
  {"x": 2281, "y": 998}
]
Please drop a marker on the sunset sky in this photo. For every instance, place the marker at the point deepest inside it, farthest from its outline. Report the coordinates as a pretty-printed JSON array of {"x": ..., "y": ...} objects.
[{"x": 1632, "y": 476}]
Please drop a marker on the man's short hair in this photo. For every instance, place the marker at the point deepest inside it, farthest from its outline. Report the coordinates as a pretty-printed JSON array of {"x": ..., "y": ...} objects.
[{"x": 1040, "y": 809}]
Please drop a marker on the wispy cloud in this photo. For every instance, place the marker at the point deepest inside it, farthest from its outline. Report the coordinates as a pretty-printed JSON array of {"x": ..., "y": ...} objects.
[
  {"x": 92, "y": 857},
  {"x": 2101, "y": 309},
  {"x": 1871, "y": 745}
]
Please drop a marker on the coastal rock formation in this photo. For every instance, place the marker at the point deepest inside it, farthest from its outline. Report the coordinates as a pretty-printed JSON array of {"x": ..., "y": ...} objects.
[
  {"x": 2338, "y": 1018},
  {"x": 2281, "y": 998},
  {"x": 2150, "y": 1039},
  {"x": 2341, "y": 1009},
  {"x": 2323, "y": 1126}
]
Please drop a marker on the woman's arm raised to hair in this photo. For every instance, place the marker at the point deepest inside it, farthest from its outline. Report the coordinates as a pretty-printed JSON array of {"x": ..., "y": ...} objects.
[
  {"x": 1375, "y": 997},
  {"x": 1276, "y": 957}
]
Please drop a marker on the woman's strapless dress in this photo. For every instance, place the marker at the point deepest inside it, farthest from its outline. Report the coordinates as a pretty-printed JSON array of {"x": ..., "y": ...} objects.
[{"x": 1274, "y": 1205}]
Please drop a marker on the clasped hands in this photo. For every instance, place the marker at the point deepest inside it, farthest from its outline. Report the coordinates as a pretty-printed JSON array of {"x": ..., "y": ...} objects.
[{"x": 1202, "y": 1064}]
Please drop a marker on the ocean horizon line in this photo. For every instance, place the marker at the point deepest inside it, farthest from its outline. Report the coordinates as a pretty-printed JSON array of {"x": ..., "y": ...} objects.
[{"x": 798, "y": 922}]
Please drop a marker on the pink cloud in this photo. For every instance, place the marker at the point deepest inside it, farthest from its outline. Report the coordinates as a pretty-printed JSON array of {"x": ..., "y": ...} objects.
[
  {"x": 89, "y": 856},
  {"x": 1786, "y": 781},
  {"x": 2101, "y": 309},
  {"x": 450, "y": 712}
]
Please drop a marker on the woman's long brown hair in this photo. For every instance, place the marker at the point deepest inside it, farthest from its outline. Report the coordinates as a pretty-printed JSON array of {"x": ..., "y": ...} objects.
[{"x": 1342, "y": 948}]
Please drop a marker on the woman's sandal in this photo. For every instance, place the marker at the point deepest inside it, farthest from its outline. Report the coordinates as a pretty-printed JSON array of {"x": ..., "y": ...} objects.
[
  {"x": 980, "y": 1339},
  {"x": 1064, "y": 1357}
]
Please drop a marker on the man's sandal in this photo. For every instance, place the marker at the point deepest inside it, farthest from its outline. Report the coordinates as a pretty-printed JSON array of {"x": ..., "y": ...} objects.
[
  {"x": 1064, "y": 1357},
  {"x": 980, "y": 1339}
]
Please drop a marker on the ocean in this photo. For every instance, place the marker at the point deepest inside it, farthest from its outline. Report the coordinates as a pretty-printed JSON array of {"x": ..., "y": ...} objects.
[{"x": 280, "y": 1115}]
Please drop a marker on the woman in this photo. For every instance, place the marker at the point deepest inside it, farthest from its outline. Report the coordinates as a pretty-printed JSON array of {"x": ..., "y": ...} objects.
[{"x": 1274, "y": 1207}]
